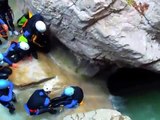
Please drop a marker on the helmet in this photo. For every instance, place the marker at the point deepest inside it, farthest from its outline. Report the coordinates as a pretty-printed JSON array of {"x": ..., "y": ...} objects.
[
  {"x": 69, "y": 91},
  {"x": 47, "y": 87},
  {"x": 40, "y": 26},
  {"x": 4, "y": 83},
  {"x": 22, "y": 39},
  {"x": 24, "y": 46}
]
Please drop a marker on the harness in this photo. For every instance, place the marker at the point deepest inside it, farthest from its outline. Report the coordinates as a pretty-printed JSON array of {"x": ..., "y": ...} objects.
[{"x": 33, "y": 110}]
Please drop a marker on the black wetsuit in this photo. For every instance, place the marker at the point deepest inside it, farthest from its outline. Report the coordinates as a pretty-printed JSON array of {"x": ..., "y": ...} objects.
[
  {"x": 29, "y": 30},
  {"x": 38, "y": 103},
  {"x": 6, "y": 14},
  {"x": 65, "y": 100},
  {"x": 30, "y": 26},
  {"x": 9, "y": 97},
  {"x": 5, "y": 72}
]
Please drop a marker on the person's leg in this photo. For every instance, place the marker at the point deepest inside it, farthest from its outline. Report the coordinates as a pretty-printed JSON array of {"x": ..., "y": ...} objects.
[
  {"x": 3, "y": 76},
  {"x": 6, "y": 70},
  {"x": 11, "y": 108},
  {"x": 44, "y": 110},
  {"x": 14, "y": 97},
  {"x": 9, "y": 105},
  {"x": 58, "y": 101},
  {"x": 9, "y": 20}
]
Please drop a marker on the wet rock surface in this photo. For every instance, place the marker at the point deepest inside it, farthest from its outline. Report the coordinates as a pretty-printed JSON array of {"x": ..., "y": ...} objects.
[
  {"x": 106, "y": 29},
  {"x": 100, "y": 114},
  {"x": 31, "y": 71}
]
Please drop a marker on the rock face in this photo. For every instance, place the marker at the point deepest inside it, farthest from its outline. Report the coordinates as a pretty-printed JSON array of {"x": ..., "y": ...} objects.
[
  {"x": 106, "y": 29},
  {"x": 100, "y": 114}
]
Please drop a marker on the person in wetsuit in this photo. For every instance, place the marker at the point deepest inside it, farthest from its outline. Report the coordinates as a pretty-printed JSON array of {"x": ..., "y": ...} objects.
[
  {"x": 6, "y": 14},
  {"x": 16, "y": 52},
  {"x": 39, "y": 102},
  {"x": 34, "y": 31},
  {"x": 71, "y": 97},
  {"x": 7, "y": 96}
]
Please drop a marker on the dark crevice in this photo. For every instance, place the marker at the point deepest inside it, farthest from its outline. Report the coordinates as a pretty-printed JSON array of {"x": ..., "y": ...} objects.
[{"x": 129, "y": 81}]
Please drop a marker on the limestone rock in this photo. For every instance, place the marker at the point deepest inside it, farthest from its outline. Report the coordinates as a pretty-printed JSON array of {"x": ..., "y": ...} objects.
[
  {"x": 32, "y": 71},
  {"x": 106, "y": 29},
  {"x": 100, "y": 114}
]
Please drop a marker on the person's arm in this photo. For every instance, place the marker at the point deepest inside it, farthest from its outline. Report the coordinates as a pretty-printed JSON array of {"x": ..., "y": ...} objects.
[
  {"x": 9, "y": 96},
  {"x": 5, "y": 27},
  {"x": 1, "y": 22},
  {"x": 27, "y": 34},
  {"x": 5, "y": 59},
  {"x": 72, "y": 104}
]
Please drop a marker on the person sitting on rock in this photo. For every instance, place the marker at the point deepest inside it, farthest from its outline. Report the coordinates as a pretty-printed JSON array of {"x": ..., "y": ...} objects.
[
  {"x": 3, "y": 30},
  {"x": 5, "y": 71},
  {"x": 71, "y": 97},
  {"x": 16, "y": 52},
  {"x": 39, "y": 102},
  {"x": 6, "y": 14},
  {"x": 7, "y": 96}
]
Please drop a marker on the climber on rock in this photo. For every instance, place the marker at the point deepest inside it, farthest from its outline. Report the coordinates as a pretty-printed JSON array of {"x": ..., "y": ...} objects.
[
  {"x": 7, "y": 96},
  {"x": 39, "y": 102}
]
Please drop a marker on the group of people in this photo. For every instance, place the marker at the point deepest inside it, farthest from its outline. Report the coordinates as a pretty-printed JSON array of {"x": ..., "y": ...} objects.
[
  {"x": 33, "y": 37},
  {"x": 40, "y": 102}
]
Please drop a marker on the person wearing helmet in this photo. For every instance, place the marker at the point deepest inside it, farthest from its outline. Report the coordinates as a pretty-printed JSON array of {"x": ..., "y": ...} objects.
[
  {"x": 71, "y": 97},
  {"x": 7, "y": 96},
  {"x": 5, "y": 71},
  {"x": 39, "y": 101},
  {"x": 34, "y": 25},
  {"x": 16, "y": 52},
  {"x": 33, "y": 30}
]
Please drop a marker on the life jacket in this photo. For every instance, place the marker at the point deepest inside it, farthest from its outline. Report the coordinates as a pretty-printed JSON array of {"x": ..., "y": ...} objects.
[{"x": 36, "y": 100}]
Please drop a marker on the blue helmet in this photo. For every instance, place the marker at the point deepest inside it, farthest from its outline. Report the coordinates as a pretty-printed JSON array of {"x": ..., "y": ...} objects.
[
  {"x": 69, "y": 91},
  {"x": 4, "y": 83}
]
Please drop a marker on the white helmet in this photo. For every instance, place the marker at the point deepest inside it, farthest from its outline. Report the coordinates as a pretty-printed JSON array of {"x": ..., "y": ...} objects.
[
  {"x": 24, "y": 46},
  {"x": 47, "y": 87},
  {"x": 40, "y": 26}
]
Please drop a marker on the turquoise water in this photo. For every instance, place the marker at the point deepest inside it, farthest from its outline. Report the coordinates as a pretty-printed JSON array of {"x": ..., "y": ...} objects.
[{"x": 142, "y": 106}]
